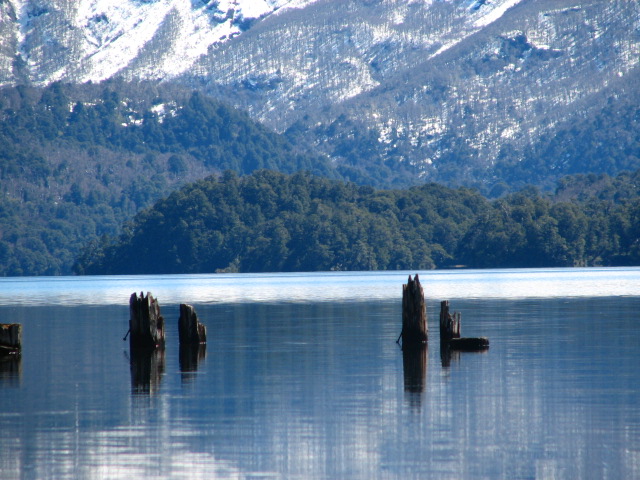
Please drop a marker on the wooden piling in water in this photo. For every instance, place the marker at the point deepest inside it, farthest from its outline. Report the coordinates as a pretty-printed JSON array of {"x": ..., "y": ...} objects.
[
  {"x": 450, "y": 328},
  {"x": 10, "y": 338},
  {"x": 449, "y": 323},
  {"x": 146, "y": 324},
  {"x": 414, "y": 313},
  {"x": 190, "y": 330}
]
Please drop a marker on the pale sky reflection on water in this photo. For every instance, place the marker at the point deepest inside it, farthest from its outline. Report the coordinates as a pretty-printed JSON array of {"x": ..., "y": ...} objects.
[{"x": 321, "y": 286}]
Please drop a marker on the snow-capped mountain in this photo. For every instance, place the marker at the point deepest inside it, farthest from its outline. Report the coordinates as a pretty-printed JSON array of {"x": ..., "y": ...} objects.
[
  {"x": 93, "y": 40},
  {"x": 438, "y": 83},
  {"x": 431, "y": 78}
]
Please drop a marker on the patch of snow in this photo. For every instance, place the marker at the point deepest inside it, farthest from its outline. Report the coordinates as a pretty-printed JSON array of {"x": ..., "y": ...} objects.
[
  {"x": 281, "y": 6},
  {"x": 498, "y": 8},
  {"x": 254, "y": 8},
  {"x": 112, "y": 35},
  {"x": 509, "y": 132},
  {"x": 20, "y": 7},
  {"x": 164, "y": 110}
]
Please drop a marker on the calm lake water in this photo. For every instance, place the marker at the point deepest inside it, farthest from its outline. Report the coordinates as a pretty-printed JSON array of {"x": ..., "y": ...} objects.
[{"x": 301, "y": 378}]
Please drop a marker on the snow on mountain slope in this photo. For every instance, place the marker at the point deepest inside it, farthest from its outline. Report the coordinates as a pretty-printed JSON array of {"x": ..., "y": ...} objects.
[
  {"x": 82, "y": 40},
  {"x": 435, "y": 80},
  {"x": 330, "y": 52}
]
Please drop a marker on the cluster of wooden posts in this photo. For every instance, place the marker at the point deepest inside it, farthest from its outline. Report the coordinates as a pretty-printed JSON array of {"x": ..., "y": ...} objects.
[
  {"x": 415, "y": 330},
  {"x": 146, "y": 324},
  {"x": 147, "y": 340}
]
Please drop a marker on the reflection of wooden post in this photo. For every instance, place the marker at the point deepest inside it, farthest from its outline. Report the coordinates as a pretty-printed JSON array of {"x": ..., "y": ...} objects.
[
  {"x": 414, "y": 313},
  {"x": 146, "y": 325},
  {"x": 190, "y": 330},
  {"x": 10, "y": 338},
  {"x": 147, "y": 368},
  {"x": 10, "y": 370},
  {"x": 414, "y": 363},
  {"x": 190, "y": 356}
]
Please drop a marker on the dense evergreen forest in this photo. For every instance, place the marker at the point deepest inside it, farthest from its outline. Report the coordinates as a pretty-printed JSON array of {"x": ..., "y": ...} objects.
[
  {"x": 79, "y": 161},
  {"x": 76, "y": 162},
  {"x": 270, "y": 221}
]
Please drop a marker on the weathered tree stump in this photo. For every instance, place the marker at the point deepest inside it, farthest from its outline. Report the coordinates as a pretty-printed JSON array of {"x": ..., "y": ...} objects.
[
  {"x": 10, "y": 338},
  {"x": 450, "y": 339},
  {"x": 190, "y": 330},
  {"x": 414, "y": 313},
  {"x": 146, "y": 325},
  {"x": 449, "y": 324}
]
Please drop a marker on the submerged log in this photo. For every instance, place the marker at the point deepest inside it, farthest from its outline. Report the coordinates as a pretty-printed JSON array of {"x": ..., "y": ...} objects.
[
  {"x": 469, "y": 344},
  {"x": 190, "y": 330},
  {"x": 414, "y": 313},
  {"x": 450, "y": 339},
  {"x": 146, "y": 325},
  {"x": 10, "y": 338}
]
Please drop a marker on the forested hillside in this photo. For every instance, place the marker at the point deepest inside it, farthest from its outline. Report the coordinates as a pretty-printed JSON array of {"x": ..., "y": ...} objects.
[
  {"x": 78, "y": 161},
  {"x": 269, "y": 221}
]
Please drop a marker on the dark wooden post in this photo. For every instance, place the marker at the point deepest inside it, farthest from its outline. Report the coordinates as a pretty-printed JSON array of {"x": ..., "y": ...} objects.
[
  {"x": 190, "y": 330},
  {"x": 450, "y": 338},
  {"x": 449, "y": 324},
  {"x": 10, "y": 338},
  {"x": 146, "y": 325},
  {"x": 414, "y": 313}
]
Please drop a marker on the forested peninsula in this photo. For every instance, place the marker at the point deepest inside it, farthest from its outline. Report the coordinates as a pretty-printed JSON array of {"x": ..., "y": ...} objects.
[{"x": 269, "y": 221}]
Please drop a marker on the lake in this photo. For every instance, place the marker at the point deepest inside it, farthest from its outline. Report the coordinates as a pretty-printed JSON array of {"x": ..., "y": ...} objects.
[{"x": 302, "y": 378}]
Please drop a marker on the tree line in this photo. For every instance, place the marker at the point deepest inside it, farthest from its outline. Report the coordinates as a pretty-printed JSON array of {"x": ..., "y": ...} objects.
[{"x": 269, "y": 221}]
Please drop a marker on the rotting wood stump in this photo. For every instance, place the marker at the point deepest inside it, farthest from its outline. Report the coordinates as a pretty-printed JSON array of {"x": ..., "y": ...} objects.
[
  {"x": 190, "y": 330},
  {"x": 146, "y": 324},
  {"x": 10, "y": 338},
  {"x": 450, "y": 337},
  {"x": 414, "y": 313},
  {"x": 449, "y": 323}
]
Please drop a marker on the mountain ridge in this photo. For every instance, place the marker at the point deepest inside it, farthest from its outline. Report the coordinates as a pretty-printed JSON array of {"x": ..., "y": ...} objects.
[{"x": 455, "y": 91}]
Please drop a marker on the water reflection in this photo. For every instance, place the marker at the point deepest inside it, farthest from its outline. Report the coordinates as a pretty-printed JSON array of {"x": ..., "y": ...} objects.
[
  {"x": 414, "y": 364},
  {"x": 321, "y": 286},
  {"x": 446, "y": 354},
  {"x": 190, "y": 356},
  {"x": 147, "y": 369},
  {"x": 10, "y": 370},
  {"x": 315, "y": 391}
]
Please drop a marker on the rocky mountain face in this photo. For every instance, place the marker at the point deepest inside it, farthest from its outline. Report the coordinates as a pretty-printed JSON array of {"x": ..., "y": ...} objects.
[{"x": 453, "y": 90}]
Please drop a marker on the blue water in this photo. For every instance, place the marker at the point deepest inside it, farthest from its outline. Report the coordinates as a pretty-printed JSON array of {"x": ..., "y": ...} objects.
[{"x": 301, "y": 378}]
